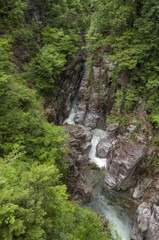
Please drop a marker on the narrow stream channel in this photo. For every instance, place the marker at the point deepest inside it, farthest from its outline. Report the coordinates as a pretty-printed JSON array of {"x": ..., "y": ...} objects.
[{"x": 114, "y": 206}]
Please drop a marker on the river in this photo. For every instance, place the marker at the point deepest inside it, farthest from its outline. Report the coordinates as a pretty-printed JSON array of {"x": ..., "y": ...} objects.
[{"x": 116, "y": 207}]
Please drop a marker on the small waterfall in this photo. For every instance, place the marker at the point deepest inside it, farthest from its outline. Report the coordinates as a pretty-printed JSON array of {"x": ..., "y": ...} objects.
[
  {"x": 100, "y": 162},
  {"x": 71, "y": 117}
]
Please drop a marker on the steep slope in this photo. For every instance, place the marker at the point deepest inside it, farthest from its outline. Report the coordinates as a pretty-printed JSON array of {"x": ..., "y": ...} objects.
[
  {"x": 38, "y": 39},
  {"x": 123, "y": 35}
]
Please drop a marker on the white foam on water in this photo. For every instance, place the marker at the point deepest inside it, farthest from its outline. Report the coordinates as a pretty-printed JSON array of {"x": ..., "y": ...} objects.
[
  {"x": 71, "y": 117},
  {"x": 100, "y": 162}
]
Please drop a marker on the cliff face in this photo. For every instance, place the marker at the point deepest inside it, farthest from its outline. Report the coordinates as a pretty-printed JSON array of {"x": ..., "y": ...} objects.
[
  {"x": 77, "y": 158},
  {"x": 95, "y": 96},
  {"x": 122, "y": 91}
]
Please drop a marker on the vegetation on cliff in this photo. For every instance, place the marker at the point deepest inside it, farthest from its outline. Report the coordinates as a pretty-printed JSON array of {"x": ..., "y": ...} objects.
[
  {"x": 126, "y": 33},
  {"x": 39, "y": 40}
]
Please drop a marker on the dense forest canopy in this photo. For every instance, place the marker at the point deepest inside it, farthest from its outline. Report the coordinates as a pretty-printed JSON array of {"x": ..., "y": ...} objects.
[
  {"x": 131, "y": 29},
  {"x": 38, "y": 41}
]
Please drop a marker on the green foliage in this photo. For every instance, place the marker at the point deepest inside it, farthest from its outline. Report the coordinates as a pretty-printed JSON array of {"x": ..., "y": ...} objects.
[
  {"x": 33, "y": 26},
  {"x": 63, "y": 43},
  {"x": 118, "y": 101},
  {"x": 12, "y": 13},
  {"x": 155, "y": 119},
  {"x": 34, "y": 202},
  {"x": 156, "y": 141},
  {"x": 152, "y": 162},
  {"x": 117, "y": 119},
  {"x": 45, "y": 68},
  {"x": 131, "y": 29},
  {"x": 5, "y": 53},
  {"x": 57, "y": 26},
  {"x": 113, "y": 119},
  {"x": 28, "y": 194},
  {"x": 131, "y": 98}
]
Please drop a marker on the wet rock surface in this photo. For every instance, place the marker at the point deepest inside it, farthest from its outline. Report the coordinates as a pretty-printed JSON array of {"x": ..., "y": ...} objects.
[
  {"x": 146, "y": 226},
  {"x": 90, "y": 112},
  {"x": 105, "y": 142},
  {"x": 77, "y": 158},
  {"x": 123, "y": 159}
]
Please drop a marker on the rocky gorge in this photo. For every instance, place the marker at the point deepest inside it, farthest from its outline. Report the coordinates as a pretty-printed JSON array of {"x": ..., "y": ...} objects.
[
  {"x": 79, "y": 113},
  {"x": 123, "y": 151}
]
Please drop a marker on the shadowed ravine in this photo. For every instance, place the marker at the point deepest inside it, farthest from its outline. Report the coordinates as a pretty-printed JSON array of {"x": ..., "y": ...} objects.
[{"x": 116, "y": 207}]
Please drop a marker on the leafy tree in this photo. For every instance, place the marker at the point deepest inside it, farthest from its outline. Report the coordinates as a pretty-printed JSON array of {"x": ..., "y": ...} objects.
[
  {"x": 45, "y": 68},
  {"x": 131, "y": 29},
  {"x": 34, "y": 202},
  {"x": 12, "y": 13}
]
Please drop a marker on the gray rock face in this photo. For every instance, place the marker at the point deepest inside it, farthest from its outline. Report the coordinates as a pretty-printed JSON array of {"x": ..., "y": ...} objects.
[
  {"x": 141, "y": 187},
  {"x": 82, "y": 102},
  {"x": 123, "y": 158},
  {"x": 146, "y": 226},
  {"x": 88, "y": 112},
  {"x": 100, "y": 73},
  {"x": 103, "y": 147},
  {"x": 91, "y": 120},
  {"x": 80, "y": 138},
  {"x": 157, "y": 185},
  {"x": 77, "y": 158},
  {"x": 105, "y": 143},
  {"x": 80, "y": 115}
]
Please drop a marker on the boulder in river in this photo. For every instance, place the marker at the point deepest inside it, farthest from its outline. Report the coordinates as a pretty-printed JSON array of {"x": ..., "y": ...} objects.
[
  {"x": 123, "y": 158},
  {"x": 80, "y": 138},
  {"x": 105, "y": 142}
]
